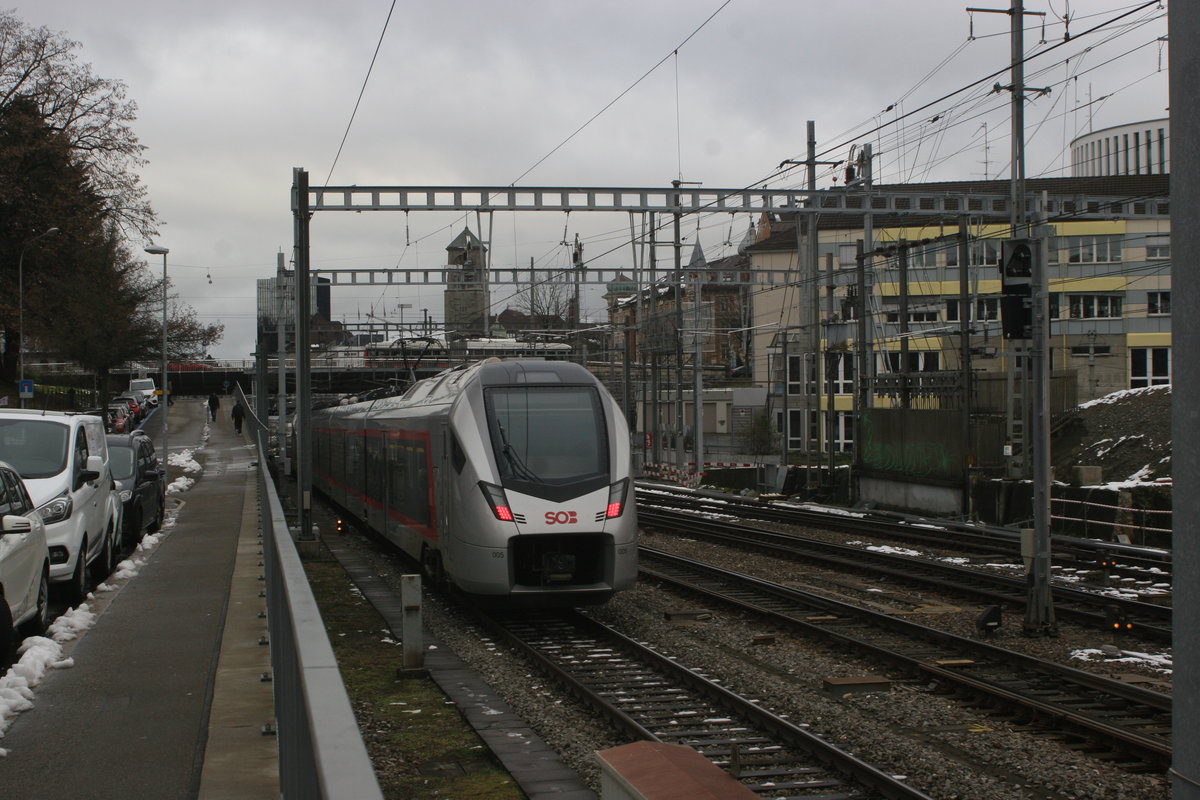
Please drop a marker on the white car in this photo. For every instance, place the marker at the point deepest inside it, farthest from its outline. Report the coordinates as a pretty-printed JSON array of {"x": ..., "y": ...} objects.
[
  {"x": 63, "y": 460},
  {"x": 24, "y": 563},
  {"x": 143, "y": 388}
]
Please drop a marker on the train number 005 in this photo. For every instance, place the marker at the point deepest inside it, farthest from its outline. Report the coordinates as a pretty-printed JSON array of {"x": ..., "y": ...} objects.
[{"x": 561, "y": 517}]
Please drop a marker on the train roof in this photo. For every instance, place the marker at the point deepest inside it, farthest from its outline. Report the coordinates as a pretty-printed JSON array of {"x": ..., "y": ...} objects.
[{"x": 446, "y": 385}]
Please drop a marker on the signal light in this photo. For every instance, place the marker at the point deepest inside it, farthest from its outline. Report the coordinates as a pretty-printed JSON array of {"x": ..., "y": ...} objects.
[
  {"x": 1017, "y": 257},
  {"x": 1117, "y": 620},
  {"x": 340, "y": 526}
]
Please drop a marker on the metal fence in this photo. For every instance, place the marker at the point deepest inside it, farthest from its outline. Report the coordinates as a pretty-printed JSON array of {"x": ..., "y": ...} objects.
[{"x": 321, "y": 751}]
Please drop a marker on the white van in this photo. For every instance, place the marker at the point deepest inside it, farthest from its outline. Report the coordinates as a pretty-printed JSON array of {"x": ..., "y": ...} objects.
[
  {"x": 63, "y": 459},
  {"x": 143, "y": 389}
]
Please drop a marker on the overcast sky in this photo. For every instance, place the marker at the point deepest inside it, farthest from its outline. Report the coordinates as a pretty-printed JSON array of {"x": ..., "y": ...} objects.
[{"x": 233, "y": 95}]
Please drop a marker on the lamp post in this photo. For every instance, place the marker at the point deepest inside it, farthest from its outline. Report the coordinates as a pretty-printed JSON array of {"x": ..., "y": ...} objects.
[
  {"x": 21, "y": 306},
  {"x": 165, "y": 403}
]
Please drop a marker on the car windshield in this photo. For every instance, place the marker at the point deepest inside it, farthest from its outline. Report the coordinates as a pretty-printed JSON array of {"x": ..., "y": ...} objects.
[
  {"x": 36, "y": 448},
  {"x": 548, "y": 434},
  {"x": 120, "y": 459}
]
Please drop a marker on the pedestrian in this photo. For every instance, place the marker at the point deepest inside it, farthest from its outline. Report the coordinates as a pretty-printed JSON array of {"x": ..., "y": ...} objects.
[
  {"x": 213, "y": 404},
  {"x": 237, "y": 415}
]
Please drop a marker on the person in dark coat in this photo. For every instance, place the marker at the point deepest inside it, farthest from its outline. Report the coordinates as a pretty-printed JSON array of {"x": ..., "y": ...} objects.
[
  {"x": 213, "y": 404},
  {"x": 237, "y": 415}
]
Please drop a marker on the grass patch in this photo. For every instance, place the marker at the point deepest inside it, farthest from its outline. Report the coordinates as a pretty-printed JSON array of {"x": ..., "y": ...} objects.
[{"x": 418, "y": 742}]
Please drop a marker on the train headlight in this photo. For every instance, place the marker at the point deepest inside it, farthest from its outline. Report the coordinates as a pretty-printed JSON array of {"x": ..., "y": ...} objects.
[
  {"x": 616, "y": 498},
  {"x": 497, "y": 500}
]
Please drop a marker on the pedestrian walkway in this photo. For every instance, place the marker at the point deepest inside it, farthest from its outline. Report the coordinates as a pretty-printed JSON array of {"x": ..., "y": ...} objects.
[{"x": 165, "y": 698}]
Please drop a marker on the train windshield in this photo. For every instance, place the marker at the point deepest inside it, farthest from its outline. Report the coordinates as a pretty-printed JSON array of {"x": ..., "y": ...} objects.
[{"x": 548, "y": 434}]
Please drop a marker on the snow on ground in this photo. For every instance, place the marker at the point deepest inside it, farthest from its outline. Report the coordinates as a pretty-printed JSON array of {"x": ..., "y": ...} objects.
[
  {"x": 1159, "y": 662},
  {"x": 1121, "y": 395},
  {"x": 37, "y": 655}
]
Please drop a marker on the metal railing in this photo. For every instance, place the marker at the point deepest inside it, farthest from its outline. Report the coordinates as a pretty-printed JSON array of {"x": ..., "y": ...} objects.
[{"x": 321, "y": 751}]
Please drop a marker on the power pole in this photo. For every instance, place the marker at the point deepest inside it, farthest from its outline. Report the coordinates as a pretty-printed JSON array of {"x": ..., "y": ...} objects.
[
  {"x": 303, "y": 426},
  {"x": 677, "y": 280},
  {"x": 1039, "y": 610}
]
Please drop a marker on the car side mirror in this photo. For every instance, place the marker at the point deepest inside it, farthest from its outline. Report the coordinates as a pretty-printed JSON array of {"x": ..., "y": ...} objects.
[
  {"x": 95, "y": 467},
  {"x": 13, "y": 523}
]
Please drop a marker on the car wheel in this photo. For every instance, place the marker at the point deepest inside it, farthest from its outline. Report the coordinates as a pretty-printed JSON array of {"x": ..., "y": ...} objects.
[
  {"x": 132, "y": 533},
  {"x": 77, "y": 589},
  {"x": 36, "y": 625},
  {"x": 103, "y": 565},
  {"x": 156, "y": 523},
  {"x": 8, "y": 637}
]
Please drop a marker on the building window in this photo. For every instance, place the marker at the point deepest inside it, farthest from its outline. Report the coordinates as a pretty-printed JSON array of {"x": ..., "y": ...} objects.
[
  {"x": 1104, "y": 249},
  {"x": 843, "y": 431},
  {"x": 1086, "y": 306},
  {"x": 798, "y": 365},
  {"x": 985, "y": 252},
  {"x": 1091, "y": 350},
  {"x": 984, "y": 308},
  {"x": 1158, "y": 246},
  {"x": 842, "y": 373},
  {"x": 795, "y": 431},
  {"x": 918, "y": 361},
  {"x": 923, "y": 256},
  {"x": 892, "y": 314},
  {"x": 1149, "y": 366},
  {"x": 1158, "y": 304}
]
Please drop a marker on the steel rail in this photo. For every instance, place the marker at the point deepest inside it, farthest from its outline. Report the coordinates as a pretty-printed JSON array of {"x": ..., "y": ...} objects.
[
  {"x": 1151, "y": 621},
  {"x": 819, "y": 615},
  {"x": 749, "y": 747}
]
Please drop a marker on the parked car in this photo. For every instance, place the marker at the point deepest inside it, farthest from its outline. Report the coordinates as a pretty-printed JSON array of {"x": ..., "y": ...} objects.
[
  {"x": 124, "y": 401},
  {"x": 144, "y": 388},
  {"x": 117, "y": 418},
  {"x": 136, "y": 405},
  {"x": 141, "y": 485},
  {"x": 63, "y": 459},
  {"x": 24, "y": 564}
]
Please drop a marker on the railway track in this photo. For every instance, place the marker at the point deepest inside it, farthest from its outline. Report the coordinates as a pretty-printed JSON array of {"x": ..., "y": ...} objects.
[
  {"x": 651, "y": 697},
  {"x": 1100, "y": 611},
  {"x": 1118, "y": 721},
  {"x": 1112, "y": 558}
]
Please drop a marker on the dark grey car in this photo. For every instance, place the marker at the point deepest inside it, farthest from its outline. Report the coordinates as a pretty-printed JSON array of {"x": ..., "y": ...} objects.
[{"x": 141, "y": 484}]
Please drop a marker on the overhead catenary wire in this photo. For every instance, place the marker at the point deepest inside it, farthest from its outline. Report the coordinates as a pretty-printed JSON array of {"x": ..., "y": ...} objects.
[
  {"x": 361, "y": 91},
  {"x": 674, "y": 52}
]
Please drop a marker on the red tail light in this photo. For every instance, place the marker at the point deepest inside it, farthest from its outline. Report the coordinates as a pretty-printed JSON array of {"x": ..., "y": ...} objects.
[
  {"x": 497, "y": 500},
  {"x": 616, "y": 499}
]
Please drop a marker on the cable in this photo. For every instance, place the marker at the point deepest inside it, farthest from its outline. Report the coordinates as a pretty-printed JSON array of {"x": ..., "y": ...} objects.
[
  {"x": 901, "y": 116},
  {"x": 360, "y": 92},
  {"x": 611, "y": 103}
]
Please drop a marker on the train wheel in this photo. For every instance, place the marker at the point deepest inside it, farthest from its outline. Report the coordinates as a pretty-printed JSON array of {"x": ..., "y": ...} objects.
[{"x": 431, "y": 565}]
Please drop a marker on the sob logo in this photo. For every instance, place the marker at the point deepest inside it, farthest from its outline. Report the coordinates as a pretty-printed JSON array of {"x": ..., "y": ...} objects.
[{"x": 561, "y": 517}]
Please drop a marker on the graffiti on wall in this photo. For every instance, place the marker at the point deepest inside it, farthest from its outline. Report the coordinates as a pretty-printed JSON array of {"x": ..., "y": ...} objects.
[{"x": 904, "y": 443}]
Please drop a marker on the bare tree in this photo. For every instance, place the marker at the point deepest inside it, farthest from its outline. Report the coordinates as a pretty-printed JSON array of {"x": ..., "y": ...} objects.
[
  {"x": 92, "y": 113},
  {"x": 547, "y": 300}
]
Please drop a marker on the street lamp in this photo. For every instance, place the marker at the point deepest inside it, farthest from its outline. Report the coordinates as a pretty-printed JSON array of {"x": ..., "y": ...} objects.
[
  {"x": 21, "y": 306},
  {"x": 165, "y": 403}
]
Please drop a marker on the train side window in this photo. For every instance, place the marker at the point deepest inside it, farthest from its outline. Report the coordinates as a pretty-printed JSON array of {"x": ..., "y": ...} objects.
[
  {"x": 458, "y": 459},
  {"x": 397, "y": 483},
  {"x": 376, "y": 467}
]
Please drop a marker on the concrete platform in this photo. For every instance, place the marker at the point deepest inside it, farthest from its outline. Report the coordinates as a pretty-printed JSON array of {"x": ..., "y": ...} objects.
[{"x": 165, "y": 698}]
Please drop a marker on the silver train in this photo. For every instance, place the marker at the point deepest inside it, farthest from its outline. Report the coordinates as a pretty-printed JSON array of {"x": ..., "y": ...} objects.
[{"x": 508, "y": 478}]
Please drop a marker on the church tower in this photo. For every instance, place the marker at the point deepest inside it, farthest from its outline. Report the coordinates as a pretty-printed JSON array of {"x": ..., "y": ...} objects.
[{"x": 466, "y": 299}]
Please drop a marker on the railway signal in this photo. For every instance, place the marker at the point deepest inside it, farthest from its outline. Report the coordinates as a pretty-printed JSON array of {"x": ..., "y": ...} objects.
[{"x": 989, "y": 621}]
